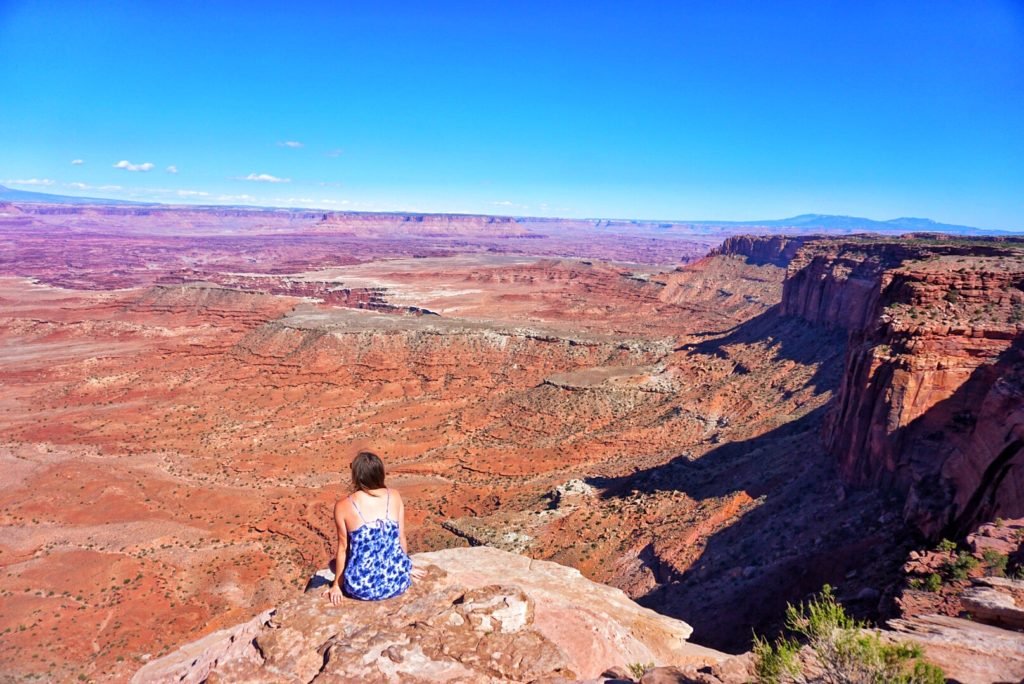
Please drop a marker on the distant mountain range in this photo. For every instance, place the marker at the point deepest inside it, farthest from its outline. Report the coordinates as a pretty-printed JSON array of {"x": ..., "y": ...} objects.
[
  {"x": 11, "y": 195},
  {"x": 848, "y": 223},
  {"x": 804, "y": 222}
]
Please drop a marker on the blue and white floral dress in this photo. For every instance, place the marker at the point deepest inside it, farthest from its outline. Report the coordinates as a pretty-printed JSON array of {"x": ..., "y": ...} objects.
[{"x": 377, "y": 567}]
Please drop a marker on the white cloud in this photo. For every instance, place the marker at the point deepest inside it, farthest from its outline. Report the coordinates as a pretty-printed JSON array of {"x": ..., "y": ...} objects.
[
  {"x": 293, "y": 201},
  {"x": 77, "y": 185},
  {"x": 335, "y": 153},
  {"x": 30, "y": 181},
  {"x": 265, "y": 178},
  {"x": 172, "y": 169},
  {"x": 77, "y": 162},
  {"x": 294, "y": 144},
  {"x": 192, "y": 193},
  {"x": 502, "y": 203},
  {"x": 128, "y": 166}
]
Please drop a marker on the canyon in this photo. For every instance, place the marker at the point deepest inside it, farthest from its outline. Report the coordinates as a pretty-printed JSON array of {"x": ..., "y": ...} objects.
[{"x": 183, "y": 389}]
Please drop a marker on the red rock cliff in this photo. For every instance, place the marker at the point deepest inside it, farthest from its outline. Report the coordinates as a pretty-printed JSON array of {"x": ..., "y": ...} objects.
[
  {"x": 931, "y": 404},
  {"x": 762, "y": 249}
]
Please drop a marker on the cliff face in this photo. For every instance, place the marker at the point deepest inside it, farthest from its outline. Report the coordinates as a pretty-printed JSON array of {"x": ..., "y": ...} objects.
[
  {"x": 778, "y": 249},
  {"x": 930, "y": 400}
]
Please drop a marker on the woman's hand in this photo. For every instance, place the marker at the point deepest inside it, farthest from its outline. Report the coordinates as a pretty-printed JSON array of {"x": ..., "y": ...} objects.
[
  {"x": 417, "y": 573},
  {"x": 334, "y": 594}
]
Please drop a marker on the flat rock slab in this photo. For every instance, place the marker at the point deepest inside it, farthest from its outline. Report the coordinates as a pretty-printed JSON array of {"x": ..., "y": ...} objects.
[
  {"x": 479, "y": 615},
  {"x": 968, "y": 652},
  {"x": 992, "y": 606}
]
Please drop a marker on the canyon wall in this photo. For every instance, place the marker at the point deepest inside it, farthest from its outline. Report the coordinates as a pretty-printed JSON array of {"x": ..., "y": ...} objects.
[{"x": 930, "y": 404}]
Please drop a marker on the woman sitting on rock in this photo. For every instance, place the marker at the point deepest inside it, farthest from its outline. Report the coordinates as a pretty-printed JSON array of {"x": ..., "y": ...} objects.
[{"x": 372, "y": 549}]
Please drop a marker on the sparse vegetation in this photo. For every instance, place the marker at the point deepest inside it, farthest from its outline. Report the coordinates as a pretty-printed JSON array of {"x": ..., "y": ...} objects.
[
  {"x": 933, "y": 582},
  {"x": 1016, "y": 312},
  {"x": 638, "y": 669},
  {"x": 839, "y": 650},
  {"x": 995, "y": 561},
  {"x": 960, "y": 567}
]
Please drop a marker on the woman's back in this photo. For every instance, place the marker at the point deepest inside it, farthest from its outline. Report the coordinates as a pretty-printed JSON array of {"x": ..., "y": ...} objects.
[
  {"x": 376, "y": 566},
  {"x": 373, "y": 505}
]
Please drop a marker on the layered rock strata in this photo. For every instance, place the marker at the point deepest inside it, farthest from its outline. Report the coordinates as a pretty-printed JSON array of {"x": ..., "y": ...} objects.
[{"x": 930, "y": 403}]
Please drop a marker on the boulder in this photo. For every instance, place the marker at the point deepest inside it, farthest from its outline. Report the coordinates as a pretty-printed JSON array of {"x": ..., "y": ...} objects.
[{"x": 995, "y": 601}]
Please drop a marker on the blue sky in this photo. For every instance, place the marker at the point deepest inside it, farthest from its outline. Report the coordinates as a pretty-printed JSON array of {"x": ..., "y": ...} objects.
[{"x": 674, "y": 110}]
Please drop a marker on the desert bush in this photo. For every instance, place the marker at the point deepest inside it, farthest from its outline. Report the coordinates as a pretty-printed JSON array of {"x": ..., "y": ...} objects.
[
  {"x": 639, "y": 669},
  {"x": 960, "y": 567},
  {"x": 776, "y": 662},
  {"x": 841, "y": 650},
  {"x": 933, "y": 582},
  {"x": 995, "y": 561}
]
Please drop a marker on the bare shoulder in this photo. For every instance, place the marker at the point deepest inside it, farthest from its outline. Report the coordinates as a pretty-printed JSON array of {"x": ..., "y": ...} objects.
[{"x": 341, "y": 507}]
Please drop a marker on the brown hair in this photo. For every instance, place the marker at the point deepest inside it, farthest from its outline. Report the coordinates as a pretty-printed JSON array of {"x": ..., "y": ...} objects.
[{"x": 367, "y": 472}]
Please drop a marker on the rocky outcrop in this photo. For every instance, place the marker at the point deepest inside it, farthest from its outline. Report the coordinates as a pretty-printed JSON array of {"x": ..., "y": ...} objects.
[
  {"x": 778, "y": 250},
  {"x": 967, "y": 651},
  {"x": 930, "y": 400},
  {"x": 478, "y": 615}
]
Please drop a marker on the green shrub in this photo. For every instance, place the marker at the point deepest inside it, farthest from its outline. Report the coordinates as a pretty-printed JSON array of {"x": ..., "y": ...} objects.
[
  {"x": 995, "y": 561},
  {"x": 934, "y": 582},
  {"x": 638, "y": 669},
  {"x": 844, "y": 650},
  {"x": 960, "y": 567},
  {"x": 946, "y": 546},
  {"x": 776, "y": 663}
]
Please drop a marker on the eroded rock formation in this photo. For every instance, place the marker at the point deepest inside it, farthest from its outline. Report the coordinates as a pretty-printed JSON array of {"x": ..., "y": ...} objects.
[{"x": 931, "y": 397}]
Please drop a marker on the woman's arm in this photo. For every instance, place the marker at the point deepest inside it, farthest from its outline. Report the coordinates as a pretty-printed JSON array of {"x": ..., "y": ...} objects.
[
  {"x": 401, "y": 525},
  {"x": 417, "y": 573},
  {"x": 334, "y": 593}
]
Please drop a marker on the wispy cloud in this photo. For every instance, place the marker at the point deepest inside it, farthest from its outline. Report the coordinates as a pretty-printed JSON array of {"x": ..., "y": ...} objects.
[
  {"x": 192, "y": 193},
  {"x": 172, "y": 169},
  {"x": 29, "y": 181},
  {"x": 128, "y": 166},
  {"x": 506, "y": 204},
  {"x": 77, "y": 162},
  {"x": 334, "y": 153},
  {"x": 77, "y": 185},
  {"x": 294, "y": 144},
  {"x": 265, "y": 178}
]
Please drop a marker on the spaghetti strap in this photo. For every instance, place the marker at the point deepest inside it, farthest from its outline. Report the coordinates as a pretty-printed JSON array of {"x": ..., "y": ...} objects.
[
  {"x": 387, "y": 504},
  {"x": 357, "y": 509}
]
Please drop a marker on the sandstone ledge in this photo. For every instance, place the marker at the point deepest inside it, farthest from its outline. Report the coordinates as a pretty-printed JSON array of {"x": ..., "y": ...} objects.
[{"x": 479, "y": 614}]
